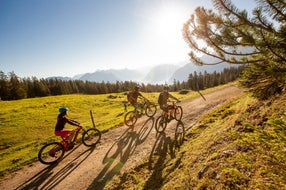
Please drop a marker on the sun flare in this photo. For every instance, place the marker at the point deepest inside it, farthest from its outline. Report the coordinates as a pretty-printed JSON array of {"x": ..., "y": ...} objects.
[
  {"x": 167, "y": 22},
  {"x": 162, "y": 31}
]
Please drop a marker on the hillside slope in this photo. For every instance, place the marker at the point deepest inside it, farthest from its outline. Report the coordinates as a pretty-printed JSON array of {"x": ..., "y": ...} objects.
[
  {"x": 240, "y": 145},
  {"x": 121, "y": 148}
]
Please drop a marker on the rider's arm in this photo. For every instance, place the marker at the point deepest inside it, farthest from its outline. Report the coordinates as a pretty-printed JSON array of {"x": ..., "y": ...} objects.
[
  {"x": 143, "y": 97},
  {"x": 72, "y": 122},
  {"x": 173, "y": 97},
  {"x": 140, "y": 95}
]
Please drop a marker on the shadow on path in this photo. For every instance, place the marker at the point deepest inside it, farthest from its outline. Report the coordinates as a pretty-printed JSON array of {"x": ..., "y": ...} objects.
[
  {"x": 48, "y": 179},
  {"x": 119, "y": 152}
]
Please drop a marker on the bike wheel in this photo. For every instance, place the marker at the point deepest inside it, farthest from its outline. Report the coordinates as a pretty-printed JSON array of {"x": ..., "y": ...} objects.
[
  {"x": 178, "y": 114},
  {"x": 179, "y": 134},
  {"x": 51, "y": 153},
  {"x": 161, "y": 124},
  {"x": 91, "y": 137},
  {"x": 130, "y": 118},
  {"x": 150, "y": 110}
]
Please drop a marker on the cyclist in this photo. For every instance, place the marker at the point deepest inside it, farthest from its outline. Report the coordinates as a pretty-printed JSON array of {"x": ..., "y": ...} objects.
[
  {"x": 163, "y": 99},
  {"x": 61, "y": 121},
  {"x": 133, "y": 96}
]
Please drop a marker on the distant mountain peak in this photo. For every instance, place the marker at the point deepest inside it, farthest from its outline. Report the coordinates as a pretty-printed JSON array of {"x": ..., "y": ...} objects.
[{"x": 159, "y": 74}]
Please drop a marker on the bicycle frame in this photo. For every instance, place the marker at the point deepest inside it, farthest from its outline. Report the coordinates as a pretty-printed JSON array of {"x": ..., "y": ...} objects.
[
  {"x": 75, "y": 134},
  {"x": 77, "y": 130},
  {"x": 170, "y": 111},
  {"x": 142, "y": 107}
]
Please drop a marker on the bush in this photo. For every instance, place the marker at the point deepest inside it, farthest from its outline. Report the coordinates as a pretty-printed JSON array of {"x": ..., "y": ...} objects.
[{"x": 184, "y": 91}]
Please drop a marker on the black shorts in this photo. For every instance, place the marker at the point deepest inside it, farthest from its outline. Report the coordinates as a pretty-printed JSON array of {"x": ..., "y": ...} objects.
[{"x": 166, "y": 107}]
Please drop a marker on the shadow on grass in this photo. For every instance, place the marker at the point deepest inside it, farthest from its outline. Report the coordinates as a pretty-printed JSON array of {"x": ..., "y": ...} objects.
[{"x": 163, "y": 147}]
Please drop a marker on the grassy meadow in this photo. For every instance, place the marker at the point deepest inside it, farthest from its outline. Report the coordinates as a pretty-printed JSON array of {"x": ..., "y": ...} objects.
[{"x": 29, "y": 123}]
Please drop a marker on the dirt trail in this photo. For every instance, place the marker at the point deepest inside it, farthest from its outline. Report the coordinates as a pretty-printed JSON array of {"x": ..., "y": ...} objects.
[{"x": 120, "y": 149}]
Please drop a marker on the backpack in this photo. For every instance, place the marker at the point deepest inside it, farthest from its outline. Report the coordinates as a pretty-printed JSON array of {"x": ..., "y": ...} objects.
[
  {"x": 129, "y": 96},
  {"x": 160, "y": 99}
]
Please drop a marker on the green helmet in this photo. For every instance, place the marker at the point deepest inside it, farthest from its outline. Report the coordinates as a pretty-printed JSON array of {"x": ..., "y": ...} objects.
[{"x": 63, "y": 109}]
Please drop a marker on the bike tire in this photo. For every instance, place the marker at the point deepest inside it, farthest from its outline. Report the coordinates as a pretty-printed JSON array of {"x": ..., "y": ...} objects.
[
  {"x": 91, "y": 137},
  {"x": 161, "y": 124},
  {"x": 178, "y": 114},
  {"x": 51, "y": 153},
  {"x": 179, "y": 134},
  {"x": 151, "y": 110},
  {"x": 130, "y": 118}
]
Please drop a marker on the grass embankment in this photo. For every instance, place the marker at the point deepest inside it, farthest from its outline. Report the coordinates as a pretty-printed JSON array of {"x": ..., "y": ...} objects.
[
  {"x": 240, "y": 145},
  {"x": 29, "y": 123}
]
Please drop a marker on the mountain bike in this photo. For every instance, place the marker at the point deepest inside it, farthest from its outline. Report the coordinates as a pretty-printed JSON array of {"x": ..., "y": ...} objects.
[
  {"x": 52, "y": 152},
  {"x": 148, "y": 108},
  {"x": 176, "y": 112}
]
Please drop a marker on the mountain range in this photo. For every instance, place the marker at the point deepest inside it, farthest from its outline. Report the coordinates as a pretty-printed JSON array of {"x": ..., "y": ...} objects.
[{"x": 158, "y": 74}]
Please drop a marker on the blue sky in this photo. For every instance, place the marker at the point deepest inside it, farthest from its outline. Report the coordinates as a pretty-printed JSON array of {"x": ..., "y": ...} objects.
[{"x": 45, "y": 38}]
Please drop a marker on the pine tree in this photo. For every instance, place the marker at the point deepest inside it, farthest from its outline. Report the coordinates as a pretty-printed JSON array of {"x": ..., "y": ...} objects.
[
  {"x": 17, "y": 88},
  {"x": 230, "y": 35},
  {"x": 4, "y": 86}
]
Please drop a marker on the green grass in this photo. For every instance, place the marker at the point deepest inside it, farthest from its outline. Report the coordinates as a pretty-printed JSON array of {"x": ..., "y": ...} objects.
[
  {"x": 240, "y": 145},
  {"x": 29, "y": 123}
]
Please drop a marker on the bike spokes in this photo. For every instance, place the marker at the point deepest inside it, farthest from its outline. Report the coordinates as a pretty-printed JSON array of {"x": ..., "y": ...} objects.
[
  {"x": 178, "y": 114},
  {"x": 130, "y": 118},
  {"x": 161, "y": 124},
  {"x": 51, "y": 153},
  {"x": 151, "y": 110},
  {"x": 91, "y": 137}
]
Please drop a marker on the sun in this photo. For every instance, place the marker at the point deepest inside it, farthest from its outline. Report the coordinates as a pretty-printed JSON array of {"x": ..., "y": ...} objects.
[
  {"x": 161, "y": 32},
  {"x": 167, "y": 22}
]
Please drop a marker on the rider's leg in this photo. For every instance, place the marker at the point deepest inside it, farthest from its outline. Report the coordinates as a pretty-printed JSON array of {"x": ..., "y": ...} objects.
[
  {"x": 141, "y": 108},
  {"x": 66, "y": 134},
  {"x": 170, "y": 111},
  {"x": 164, "y": 107},
  {"x": 136, "y": 107}
]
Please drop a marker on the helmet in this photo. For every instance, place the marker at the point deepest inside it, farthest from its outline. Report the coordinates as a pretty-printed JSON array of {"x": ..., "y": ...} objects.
[
  {"x": 63, "y": 109},
  {"x": 166, "y": 87},
  {"x": 137, "y": 87}
]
